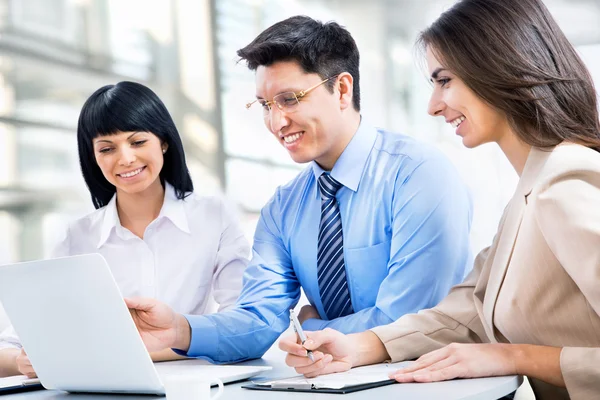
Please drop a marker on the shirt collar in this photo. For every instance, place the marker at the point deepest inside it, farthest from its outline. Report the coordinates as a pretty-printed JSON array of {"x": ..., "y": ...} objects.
[
  {"x": 536, "y": 160},
  {"x": 110, "y": 220},
  {"x": 349, "y": 168},
  {"x": 172, "y": 209}
]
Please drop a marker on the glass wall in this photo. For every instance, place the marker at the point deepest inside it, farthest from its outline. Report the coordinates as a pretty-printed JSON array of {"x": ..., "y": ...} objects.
[{"x": 55, "y": 53}]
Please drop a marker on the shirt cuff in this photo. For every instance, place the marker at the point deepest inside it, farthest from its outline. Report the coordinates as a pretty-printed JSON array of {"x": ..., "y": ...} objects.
[
  {"x": 314, "y": 324},
  {"x": 204, "y": 340},
  {"x": 9, "y": 345}
]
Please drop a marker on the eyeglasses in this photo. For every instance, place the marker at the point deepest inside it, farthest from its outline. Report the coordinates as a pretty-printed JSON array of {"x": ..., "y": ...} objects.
[{"x": 286, "y": 101}]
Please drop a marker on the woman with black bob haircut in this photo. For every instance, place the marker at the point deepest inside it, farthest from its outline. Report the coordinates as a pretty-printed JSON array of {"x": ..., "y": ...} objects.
[
  {"x": 159, "y": 238},
  {"x": 503, "y": 72},
  {"x": 129, "y": 107}
]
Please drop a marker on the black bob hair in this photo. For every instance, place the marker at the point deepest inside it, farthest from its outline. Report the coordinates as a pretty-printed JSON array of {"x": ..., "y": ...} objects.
[{"x": 128, "y": 107}]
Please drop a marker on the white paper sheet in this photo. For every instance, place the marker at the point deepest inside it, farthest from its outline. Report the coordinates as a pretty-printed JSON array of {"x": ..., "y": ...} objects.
[
  {"x": 17, "y": 381},
  {"x": 354, "y": 377}
]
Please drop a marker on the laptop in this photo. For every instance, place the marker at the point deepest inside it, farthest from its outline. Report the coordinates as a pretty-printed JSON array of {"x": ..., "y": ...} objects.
[{"x": 79, "y": 335}]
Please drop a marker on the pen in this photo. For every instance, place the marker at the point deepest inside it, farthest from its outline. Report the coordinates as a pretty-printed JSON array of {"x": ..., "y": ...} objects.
[{"x": 300, "y": 332}]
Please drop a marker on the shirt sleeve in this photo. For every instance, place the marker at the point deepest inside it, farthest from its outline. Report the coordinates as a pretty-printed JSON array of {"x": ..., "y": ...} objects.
[
  {"x": 231, "y": 261},
  {"x": 9, "y": 339},
  {"x": 261, "y": 314},
  {"x": 568, "y": 214},
  {"x": 429, "y": 251}
]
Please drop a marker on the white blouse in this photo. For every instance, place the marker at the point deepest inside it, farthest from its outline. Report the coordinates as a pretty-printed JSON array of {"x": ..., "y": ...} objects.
[{"x": 192, "y": 251}]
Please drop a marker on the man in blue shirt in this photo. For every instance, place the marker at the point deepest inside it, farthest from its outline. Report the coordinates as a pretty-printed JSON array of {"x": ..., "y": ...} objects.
[{"x": 375, "y": 227}]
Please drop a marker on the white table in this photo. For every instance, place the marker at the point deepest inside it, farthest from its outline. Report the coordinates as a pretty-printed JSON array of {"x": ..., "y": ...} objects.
[{"x": 465, "y": 389}]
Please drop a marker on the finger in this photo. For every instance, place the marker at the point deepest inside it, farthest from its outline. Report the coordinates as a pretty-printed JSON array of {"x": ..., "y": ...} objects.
[
  {"x": 289, "y": 345},
  {"x": 297, "y": 361},
  {"x": 25, "y": 369},
  {"x": 451, "y": 372},
  {"x": 434, "y": 356},
  {"x": 26, "y": 362},
  {"x": 425, "y": 361},
  {"x": 30, "y": 372},
  {"x": 23, "y": 361},
  {"x": 330, "y": 368},
  {"x": 138, "y": 303},
  {"x": 411, "y": 368},
  {"x": 401, "y": 374},
  {"x": 316, "y": 366},
  {"x": 316, "y": 339}
]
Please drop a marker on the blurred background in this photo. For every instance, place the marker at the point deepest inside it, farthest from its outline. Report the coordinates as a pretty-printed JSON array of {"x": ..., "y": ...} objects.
[{"x": 55, "y": 53}]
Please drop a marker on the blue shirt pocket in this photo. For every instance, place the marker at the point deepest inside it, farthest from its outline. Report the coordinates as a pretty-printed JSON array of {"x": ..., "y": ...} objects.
[{"x": 366, "y": 268}]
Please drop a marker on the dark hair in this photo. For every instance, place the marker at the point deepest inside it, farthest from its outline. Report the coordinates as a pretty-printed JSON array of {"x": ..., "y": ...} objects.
[
  {"x": 325, "y": 49},
  {"x": 514, "y": 56},
  {"x": 128, "y": 107}
]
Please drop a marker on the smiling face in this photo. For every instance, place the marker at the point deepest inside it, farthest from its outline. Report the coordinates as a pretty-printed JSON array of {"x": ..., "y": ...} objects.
[
  {"x": 131, "y": 161},
  {"x": 475, "y": 120},
  {"x": 313, "y": 130}
]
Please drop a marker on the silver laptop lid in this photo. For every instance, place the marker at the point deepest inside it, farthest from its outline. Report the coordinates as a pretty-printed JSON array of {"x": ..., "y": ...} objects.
[{"x": 75, "y": 326}]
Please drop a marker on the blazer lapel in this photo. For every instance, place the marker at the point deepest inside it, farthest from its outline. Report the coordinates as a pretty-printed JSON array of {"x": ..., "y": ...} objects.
[
  {"x": 508, "y": 235},
  {"x": 501, "y": 260}
]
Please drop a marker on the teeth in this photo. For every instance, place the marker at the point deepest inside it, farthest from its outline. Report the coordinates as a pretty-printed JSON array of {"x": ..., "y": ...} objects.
[
  {"x": 457, "y": 121},
  {"x": 292, "y": 138},
  {"x": 132, "y": 173}
]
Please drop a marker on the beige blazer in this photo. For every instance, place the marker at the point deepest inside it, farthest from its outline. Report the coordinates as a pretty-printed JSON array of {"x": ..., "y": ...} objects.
[{"x": 539, "y": 281}]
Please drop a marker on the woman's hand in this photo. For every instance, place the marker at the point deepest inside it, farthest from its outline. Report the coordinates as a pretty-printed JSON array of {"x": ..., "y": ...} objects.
[
  {"x": 460, "y": 361},
  {"x": 24, "y": 365}
]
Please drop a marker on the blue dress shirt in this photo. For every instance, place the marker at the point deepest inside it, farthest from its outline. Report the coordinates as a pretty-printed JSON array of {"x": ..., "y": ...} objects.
[{"x": 406, "y": 217}]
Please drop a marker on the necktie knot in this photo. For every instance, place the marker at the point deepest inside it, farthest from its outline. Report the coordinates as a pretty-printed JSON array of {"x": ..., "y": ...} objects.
[{"x": 328, "y": 186}]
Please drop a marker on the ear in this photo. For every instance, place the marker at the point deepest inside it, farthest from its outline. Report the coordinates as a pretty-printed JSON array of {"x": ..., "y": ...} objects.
[
  {"x": 165, "y": 147},
  {"x": 344, "y": 84}
]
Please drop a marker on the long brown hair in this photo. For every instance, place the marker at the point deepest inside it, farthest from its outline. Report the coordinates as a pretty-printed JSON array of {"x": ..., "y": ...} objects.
[{"x": 514, "y": 56}]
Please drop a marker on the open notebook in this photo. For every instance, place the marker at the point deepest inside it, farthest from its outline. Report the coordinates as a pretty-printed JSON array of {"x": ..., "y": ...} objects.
[
  {"x": 19, "y": 383},
  {"x": 344, "y": 382}
]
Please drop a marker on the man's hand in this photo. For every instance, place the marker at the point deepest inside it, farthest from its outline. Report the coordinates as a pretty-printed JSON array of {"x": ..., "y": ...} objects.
[
  {"x": 24, "y": 365},
  {"x": 160, "y": 327},
  {"x": 332, "y": 351},
  {"x": 166, "y": 355},
  {"x": 308, "y": 312}
]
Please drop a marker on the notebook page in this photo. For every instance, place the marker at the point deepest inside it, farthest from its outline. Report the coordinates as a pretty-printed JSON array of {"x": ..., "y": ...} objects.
[
  {"x": 353, "y": 377},
  {"x": 17, "y": 381}
]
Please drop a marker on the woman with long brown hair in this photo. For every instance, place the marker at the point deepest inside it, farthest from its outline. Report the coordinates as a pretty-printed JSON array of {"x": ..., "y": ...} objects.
[{"x": 504, "y": 72}]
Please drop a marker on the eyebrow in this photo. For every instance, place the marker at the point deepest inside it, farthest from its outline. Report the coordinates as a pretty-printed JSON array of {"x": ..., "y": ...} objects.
[
  {"x": 129, "y": 137},
  {"x": 287, "y": 90},
  {"x": 436, "y": 73}
]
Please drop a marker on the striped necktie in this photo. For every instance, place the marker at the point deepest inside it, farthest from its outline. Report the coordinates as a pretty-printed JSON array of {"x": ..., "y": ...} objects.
[{"x": 331, "y": 270}]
